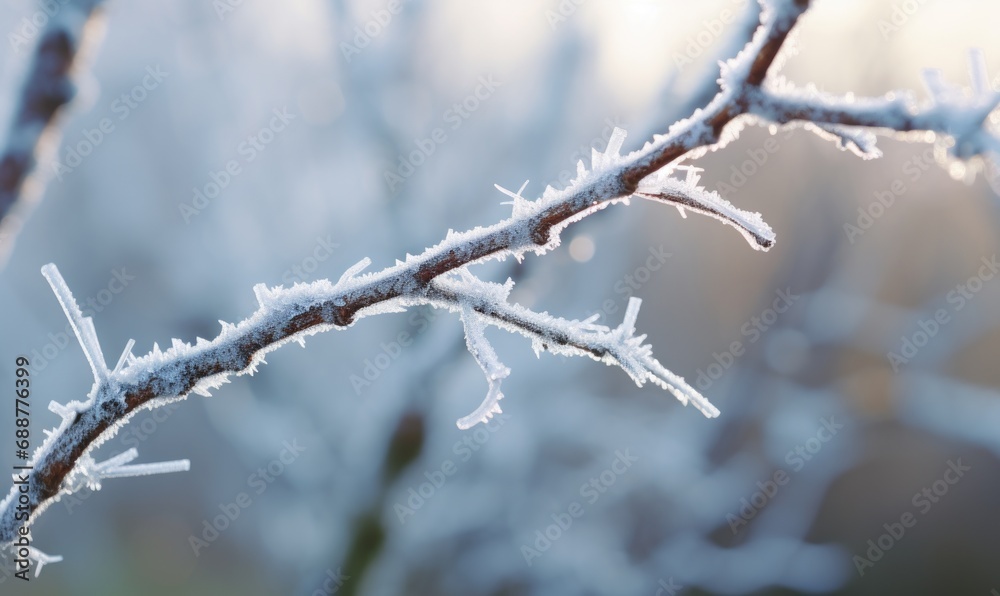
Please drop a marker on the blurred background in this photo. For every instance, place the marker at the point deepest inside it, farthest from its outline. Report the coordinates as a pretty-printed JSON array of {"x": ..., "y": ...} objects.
[{"x": 854, "y": 363}]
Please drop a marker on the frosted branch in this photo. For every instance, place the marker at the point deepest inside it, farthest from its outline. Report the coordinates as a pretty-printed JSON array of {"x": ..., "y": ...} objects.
[
  {"x": 749, "y": 90},
  {"x": 38, "y": 557},
  {"x": 618, "y": 347},
  {"x": 486, "y": 357},
  {"x": 687, "y": 195},
  {"x": 47, "y": 88},
  {"x": 959, "y": 119}
]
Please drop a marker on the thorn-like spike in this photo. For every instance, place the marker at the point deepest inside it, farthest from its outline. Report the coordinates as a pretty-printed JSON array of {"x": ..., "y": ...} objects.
[
  {"x": 124, "y": 358},
  {"x": 61, "y": 410},
  {"x": 357, "y": 268},
  {"x": 262, "y": 293},
  {"x": 82, "y": 326},
  {"x": 615, "y": 143}
]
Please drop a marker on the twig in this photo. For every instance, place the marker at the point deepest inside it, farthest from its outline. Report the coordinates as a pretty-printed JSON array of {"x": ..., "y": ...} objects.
[
  {"x": 290, "y": 314},
  {"x": 48, "y": 87}
]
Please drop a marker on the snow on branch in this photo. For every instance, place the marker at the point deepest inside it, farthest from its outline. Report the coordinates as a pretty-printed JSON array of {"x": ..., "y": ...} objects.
[
  {"x": 488, "y": 360},
  {"x": 38, "y": 557},
  {"x": 66, "y": 445},
  {"x": 88, "y": 473},
  {"x": 687, "y": 195},
  {"x": 959, "y": 118},
  {"x": 438, "y": 276},
  {"x": 47, "y": 88},
  {"x": 615, "y": 347}
]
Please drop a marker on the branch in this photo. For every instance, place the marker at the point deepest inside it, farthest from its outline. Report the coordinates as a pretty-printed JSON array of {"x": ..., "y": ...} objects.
[
  {"x": 47, "y": 88},
  {"x": 290, "y": 314},
  {"x": 615, "y": 347},
  {"x": 707, "y": 86},
  {"x": 960, "y": 118}
]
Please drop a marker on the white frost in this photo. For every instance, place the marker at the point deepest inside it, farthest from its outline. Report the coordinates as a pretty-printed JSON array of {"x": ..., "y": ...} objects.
[
  {"x": 486, "y": 357},
  {"x": 687, "y": 195}
]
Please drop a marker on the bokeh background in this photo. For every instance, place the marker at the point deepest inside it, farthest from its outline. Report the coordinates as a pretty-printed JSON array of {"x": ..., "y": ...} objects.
[{"x": 553, "y": 78}]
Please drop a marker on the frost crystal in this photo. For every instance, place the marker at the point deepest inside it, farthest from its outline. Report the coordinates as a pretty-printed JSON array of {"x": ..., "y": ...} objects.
[
  {"x": 494, "y": 370},
  {"x": 620, "y": 347},
  {"x": 82, "y": 326},
  {"x": 89, "y": 473},
  {"x": 77, "y": 417},
  {"x": 686, "y": 194},
  {"x": 963, "y": 116},
  {"x": 521, "y": 207}
]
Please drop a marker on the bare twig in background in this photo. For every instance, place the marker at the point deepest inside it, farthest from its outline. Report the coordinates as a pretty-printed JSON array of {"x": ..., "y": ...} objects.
[
  {"x": 47, "y": 88},
  {"x": 439, "y": 277}
]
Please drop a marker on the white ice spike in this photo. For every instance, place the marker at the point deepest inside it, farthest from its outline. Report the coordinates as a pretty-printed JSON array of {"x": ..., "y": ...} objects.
[
  {"x": 487, "y": 359},
  {"x": 354, "y": 270},
  {"x": 89, "y": 473},
  {"x": 82, "y": 326},
  {"x": 125, "y": 357}
]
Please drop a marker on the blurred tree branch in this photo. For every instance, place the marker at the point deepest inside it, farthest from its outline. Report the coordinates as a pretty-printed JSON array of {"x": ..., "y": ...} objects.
[{"x": 47, "y": 88}]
